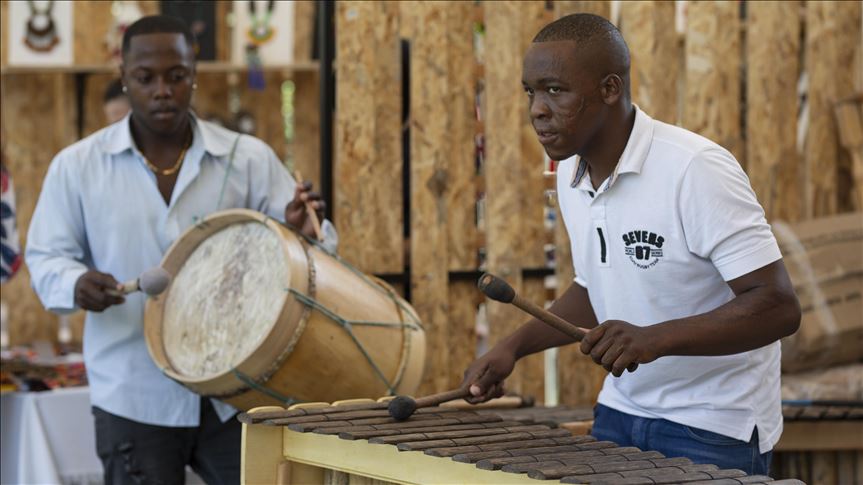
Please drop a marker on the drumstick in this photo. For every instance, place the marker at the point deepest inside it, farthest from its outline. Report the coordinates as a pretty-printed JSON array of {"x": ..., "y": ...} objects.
[
  {"x": 152, "y": 282},
  {"x": 311, "y": 210},
  {"x": 402, "y": 407},
  {"x": 498, "y": 289}
]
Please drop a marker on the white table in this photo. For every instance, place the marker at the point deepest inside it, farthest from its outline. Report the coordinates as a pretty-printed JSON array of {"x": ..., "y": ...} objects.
[{"x": 48, "y": 438}]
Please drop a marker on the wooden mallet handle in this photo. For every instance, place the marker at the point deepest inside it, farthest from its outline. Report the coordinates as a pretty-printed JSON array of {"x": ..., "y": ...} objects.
[
  {"x": 402, "y": 407},
  {"x": 316, "y": 223},
  {"x": 498, "y": 289}
]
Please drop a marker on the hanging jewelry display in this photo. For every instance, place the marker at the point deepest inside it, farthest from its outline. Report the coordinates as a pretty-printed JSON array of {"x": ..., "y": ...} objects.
[
  {"x": 260, "y": 32},
  {"x": 41, "y": 33}
]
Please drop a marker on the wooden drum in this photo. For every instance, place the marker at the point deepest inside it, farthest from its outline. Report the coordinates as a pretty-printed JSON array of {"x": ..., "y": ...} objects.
[{"x": 256, "y": 315}]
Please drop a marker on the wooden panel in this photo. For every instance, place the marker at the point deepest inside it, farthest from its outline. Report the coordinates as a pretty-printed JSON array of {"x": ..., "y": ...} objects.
[
  {"x": 35, "y": 107},
  {"x": 91, "y": 23},
  {"x": 711, "y": 104},
  {"x": 648, "y": 27},
  {"x": 430, "y": 151},
  {"x": 368, "y": 159},
  {"x": 533, "y": 366},
  {"x": 304, "y": 29},
  {"x": 94, "y": 95},
  {"x": 533, "y": 17},
  {"x": 773, "y": 44},
  {"x": 211, "y": 98},
  {"x": 504, "y": 115},
  {"x": 223, "y": 31},
  {"x": 266, "y": 108},
  {"x": 464, "y": 299},
  {"x": 4, "y": 32},
  {"x": 832, "y": 34},
  {"x": 461, "y": 173},
  {"x": 566, "y": 7},
  {"x": 306, "y": 146}
]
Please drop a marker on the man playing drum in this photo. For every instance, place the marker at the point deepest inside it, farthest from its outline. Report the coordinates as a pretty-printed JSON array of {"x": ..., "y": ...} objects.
[
  {"x": 678, "y": 273},
  {"x": 110, "y": 206}
]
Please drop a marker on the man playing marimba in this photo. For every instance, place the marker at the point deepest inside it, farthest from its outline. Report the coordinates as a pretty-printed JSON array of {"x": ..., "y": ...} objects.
[{"x": 673, "y": 257}]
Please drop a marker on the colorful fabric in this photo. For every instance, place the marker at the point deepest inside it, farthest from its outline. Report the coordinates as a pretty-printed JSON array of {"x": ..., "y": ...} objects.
[{"x": 10, "y": 248}]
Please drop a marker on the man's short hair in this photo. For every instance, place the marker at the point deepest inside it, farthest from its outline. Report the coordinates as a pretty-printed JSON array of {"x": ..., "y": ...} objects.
[
  {"x": 157, "y": 24},
  {"x": 113, "y": 91},
  {"x": 580, "y": 27}
]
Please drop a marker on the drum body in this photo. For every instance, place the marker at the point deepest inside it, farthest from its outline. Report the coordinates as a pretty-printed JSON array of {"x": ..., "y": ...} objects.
[{"x": 255, "y": 315}]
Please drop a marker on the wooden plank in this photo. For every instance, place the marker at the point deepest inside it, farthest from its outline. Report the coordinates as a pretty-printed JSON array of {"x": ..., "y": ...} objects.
[
  {"x": 824, "y": 467},
  {"x": 566, "y": 7},
  {"x": 772, "y": 52},
  {"x": 832, "y": 34},
  {"x": 94, "y": 94},
  {"x": 533, "y": 366},
  {"x": 648, "y": 27},
  {"x": 503, "y": 112},
  {"x": 304, "y": 29},
  {"x": 306, "y": 145},
  {"x": 849, "y": 119},
  {"x": 91, "y": 22},
  {"x": 429, "y": 128},
  {"x": 821, "y": 435},
  {"x": 712, "y": 97},
  {"x": 223, "y": 31},
  {"x": 39, "y": 121},
  {"x": 533, "y": 17},
  {"x": 368, "y": 159},
  {"x": 464, "y": 299},
  {"x": 261, "y": 451},
  {"x": 461, "y": 192},
  {"x": 4, "y": 32}
]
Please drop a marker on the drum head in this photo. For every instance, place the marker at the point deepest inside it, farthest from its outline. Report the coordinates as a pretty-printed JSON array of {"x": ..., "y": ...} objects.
[{"x": 224, "y": 300}]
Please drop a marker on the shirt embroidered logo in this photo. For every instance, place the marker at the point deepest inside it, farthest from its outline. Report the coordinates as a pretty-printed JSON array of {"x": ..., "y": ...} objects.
[{"x": 644, "y": 248}]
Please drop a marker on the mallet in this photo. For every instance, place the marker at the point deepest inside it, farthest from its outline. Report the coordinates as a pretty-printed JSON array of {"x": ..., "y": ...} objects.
[
  {"x": 152, "y": 282},
  {"x": 402, "y": 407},
  {"x": 498, "y": 289}
]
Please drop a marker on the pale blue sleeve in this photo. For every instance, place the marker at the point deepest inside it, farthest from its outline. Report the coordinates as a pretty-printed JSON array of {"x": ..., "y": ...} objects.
[
  {"x": 56, "y": 241},
  {"x": 274, "y": 188}
]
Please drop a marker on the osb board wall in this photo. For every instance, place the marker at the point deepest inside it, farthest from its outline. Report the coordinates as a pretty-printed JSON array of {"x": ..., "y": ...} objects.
[
  {"x": 772, "y": 47},
  {"x": 832, "y": 35},
  {"x": 368, "y": 158},
  {"x": 50, "y": 116}
]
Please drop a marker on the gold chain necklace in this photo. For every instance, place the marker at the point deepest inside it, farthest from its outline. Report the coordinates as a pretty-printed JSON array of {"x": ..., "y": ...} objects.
[{"x": 169, "y": 171}]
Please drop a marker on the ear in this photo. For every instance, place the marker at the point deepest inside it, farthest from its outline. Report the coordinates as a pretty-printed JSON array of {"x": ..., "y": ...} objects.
[{"x": 611, "y": 89}]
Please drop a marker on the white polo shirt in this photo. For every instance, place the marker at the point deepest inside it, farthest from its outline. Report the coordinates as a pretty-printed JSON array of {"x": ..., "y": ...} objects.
[{"x": 658, "y": 241}]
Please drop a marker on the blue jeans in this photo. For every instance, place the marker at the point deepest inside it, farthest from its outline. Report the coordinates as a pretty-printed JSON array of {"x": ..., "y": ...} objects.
[{"x": 674, "y": 440}]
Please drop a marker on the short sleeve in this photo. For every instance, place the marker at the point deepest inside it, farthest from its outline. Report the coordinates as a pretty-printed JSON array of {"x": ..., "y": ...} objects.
[{"x": 721, "y": 217}]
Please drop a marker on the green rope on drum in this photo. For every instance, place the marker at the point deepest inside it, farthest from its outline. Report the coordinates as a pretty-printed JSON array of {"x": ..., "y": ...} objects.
[
  {"x": 347, "y": 325},
  {"x": 317, "y": 244},
  {"x": 263, "y": 390}
]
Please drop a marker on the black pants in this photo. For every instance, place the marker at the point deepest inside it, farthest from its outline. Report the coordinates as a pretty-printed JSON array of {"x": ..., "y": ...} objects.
[{"x": 138, "y": 454}]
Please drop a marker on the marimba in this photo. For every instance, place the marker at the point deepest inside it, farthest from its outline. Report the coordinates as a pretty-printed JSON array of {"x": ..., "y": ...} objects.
[{"x": 446, "y": 445}]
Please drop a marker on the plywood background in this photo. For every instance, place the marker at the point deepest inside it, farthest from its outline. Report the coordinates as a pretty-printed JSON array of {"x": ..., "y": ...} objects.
[{"x": 732, "y": 75}]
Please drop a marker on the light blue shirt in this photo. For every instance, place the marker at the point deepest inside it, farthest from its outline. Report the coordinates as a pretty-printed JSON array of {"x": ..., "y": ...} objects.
[{"x": 101, "y": 208}]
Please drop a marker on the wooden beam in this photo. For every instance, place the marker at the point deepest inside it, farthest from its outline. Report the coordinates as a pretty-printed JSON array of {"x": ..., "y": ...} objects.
[
  {"x": 368, "y": 160},
  {"x": 91, "y": 22},
  {"x": 566, "y": 7},
  {"x": 430, "y": 151},
  {"x": 648, "y": 27},
  {"x": 304, "y": 29},
  {"x": 712, "y": 99},
  {"x": 461, "y": 103},
  {"x": 306, "y": 146},
  {"x": 772, "y": 52},
  {"x": 504, "y": 115},
  {"x": 832, "y": 35},
  {"x": 821, "y": 435},
  {"x": 464, "y": 299}
]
